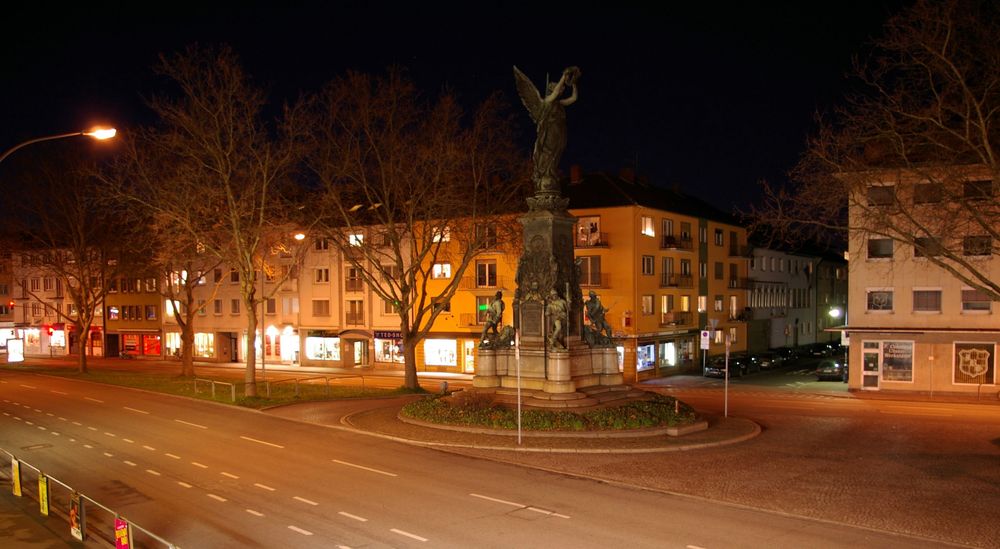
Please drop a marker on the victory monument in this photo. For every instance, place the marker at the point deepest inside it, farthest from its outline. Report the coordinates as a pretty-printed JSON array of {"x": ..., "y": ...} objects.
[{"x": 563, "y": 361}]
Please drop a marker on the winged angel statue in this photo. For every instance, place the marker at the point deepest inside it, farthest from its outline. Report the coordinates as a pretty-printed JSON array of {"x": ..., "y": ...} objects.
[{"x": 549, "y": 114}]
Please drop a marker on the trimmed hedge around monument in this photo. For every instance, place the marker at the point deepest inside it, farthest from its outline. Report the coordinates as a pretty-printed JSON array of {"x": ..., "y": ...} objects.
[{"x": 479, "y": 410}]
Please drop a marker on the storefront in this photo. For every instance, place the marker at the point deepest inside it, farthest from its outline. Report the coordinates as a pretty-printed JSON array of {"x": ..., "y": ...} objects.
[
  {"x": 665, "y": 355},
  {"x": 144, "y": 343},
  {"x": 204, "y": 345},
  {"x": 388, "y": 349},
  {"x": 322, "y": 348}
]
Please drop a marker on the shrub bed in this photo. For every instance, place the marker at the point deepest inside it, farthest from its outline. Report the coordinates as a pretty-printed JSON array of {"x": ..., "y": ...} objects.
[{"x": 479, "y": 410}]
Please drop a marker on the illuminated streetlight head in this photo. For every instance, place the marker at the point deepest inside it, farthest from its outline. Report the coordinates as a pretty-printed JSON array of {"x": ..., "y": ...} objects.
[
  {"x": 300, "y": 236},
  {"x": 102, "y": 133},
  {"x": 835, "y": 312}
]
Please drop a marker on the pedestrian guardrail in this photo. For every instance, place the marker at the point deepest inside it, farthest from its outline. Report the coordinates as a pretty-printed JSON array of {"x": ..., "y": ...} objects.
[
  {"x": 213, "y": 383},
  {"x": 85, "y": 516},
  {"x": 296, "y": 381}
]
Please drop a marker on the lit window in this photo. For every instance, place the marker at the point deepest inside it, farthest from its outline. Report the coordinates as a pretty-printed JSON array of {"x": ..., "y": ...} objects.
[
  {"x": 441, "y": 234},
  {"x": 647, "y": 304},
  {"x": 441, "y": 270},
  {"x": 356, "y": 239},
  {"x": 647, "y": 226}
]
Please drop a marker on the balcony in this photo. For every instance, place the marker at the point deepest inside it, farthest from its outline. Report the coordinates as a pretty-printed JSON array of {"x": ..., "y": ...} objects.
[
  {"x": 671, "y": 242},
  {"x": 468, "y": 319},
  {"x": 676, "y": 318},
  {"x": 354, "y": 319},
  {"x": 739, "y": 283},
  {"x": 740, "y": 250},
  {"x": 676, "y": 281},
  {"x": 353, "y": 285},
  {"x": 741, "y": 316},
  {"x": 599, "y": 281},
  {"x": 591, "y": 240},
  {"x": 473, "y": 282}
]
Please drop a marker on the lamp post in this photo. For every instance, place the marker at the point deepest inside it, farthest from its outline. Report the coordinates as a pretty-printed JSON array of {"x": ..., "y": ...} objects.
[{"x": 99, "y": 133}]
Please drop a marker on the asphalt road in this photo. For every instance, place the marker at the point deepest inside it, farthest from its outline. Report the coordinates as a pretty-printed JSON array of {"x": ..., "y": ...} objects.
[{"x": 206, "y": 475}]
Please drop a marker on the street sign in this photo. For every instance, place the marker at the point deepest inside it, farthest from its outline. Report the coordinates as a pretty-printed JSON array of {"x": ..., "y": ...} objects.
[{"x": 705, "y": 337}]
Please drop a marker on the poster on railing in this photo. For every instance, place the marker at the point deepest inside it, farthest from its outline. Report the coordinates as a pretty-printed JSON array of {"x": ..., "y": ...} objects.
[
  {"x": 123, "y": 533},
  {"x": 15, "y": 476},
  {"x": 77, "y": 522},
  {"x": 43, "y": 494}
]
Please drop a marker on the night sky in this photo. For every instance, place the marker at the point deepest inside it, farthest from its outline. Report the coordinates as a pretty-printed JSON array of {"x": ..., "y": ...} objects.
[{"x": 709, "y": 100}]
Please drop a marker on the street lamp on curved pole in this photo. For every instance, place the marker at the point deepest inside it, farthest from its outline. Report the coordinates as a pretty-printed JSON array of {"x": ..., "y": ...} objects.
[{"x": 100, "y": 133}]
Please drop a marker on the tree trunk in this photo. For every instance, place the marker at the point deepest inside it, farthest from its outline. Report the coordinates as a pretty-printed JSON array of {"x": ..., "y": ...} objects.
[
  {"x": 187, "y": 350},
  {"x": 84, "y": 340},
  {"x": 250, "y": 378},
  {"x": 409, "y": 360}
]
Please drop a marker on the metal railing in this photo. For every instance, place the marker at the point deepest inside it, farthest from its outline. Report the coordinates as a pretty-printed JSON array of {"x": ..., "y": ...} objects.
[
  {"x": 307, "y": 381},
  {"x": 96, "y": 519},
  {"x": 212, "y": 382}
]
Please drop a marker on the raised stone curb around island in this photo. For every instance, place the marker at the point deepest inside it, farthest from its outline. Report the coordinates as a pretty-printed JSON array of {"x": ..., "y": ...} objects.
[{"x": 674, "y": 431}]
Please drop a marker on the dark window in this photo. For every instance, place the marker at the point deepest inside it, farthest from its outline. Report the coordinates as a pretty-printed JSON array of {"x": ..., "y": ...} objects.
[
  {"x": 977, "y": 190},
  {"x": 881, "y": 195},
  {"x": 977, "y": 245},
  {"x": 927, "y": 300},
  {"x": 590, "y": 270},
  {"x": 926, "y": 246},
  {"x": 879, "y": 248},
  {"x": 927, "y": 193}
]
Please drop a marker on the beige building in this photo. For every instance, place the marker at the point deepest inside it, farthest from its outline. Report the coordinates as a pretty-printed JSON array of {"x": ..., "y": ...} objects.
[{"x": 914, "y": 326}]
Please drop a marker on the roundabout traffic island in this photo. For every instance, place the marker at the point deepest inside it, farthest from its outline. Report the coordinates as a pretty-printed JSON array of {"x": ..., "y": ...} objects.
[{"x": 632, "y": 414}]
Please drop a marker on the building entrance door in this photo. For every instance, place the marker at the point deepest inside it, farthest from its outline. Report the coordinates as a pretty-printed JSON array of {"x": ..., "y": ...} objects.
[{"x": 871, "y": 359}]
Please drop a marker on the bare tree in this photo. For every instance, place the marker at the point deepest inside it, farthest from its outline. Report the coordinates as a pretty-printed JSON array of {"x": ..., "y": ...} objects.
[
  {"x": 913, "y": 154},
  {"x": 214, "y": 174},
  {"x": 68, "y": 232},
  {"x": 421, "y": 182}
]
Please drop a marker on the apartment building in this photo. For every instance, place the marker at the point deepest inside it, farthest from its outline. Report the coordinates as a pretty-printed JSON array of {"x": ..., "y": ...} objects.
[
  {"x": 795, "y": 297},
  {"x": 666, "y": 266},
  {"x": 914, "y": 326}
]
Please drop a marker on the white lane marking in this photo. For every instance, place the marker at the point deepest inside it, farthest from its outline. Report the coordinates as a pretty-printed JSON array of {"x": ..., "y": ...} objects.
[
  {"x": 17, "y": 418},
  {"x": 172, "y": 456},
  {"x": 37, "y": 410},
  {"x": 49, "y": 414},
  {"x": 196, "y": 464},
  {"x": 110, "y": 434},
  {"x": 92, "y": 428},
  {"x": 6, "y": 414},
  {"x": 129, "y": 463},
  {"x": 28, "y": 386},
  {"x": 386, "y": 473},
  {"x": 77, "y": 423},
  {"x": 230, "y": 475},
  {"x": 152, "y": 472},
  {"x": 58, "y": 392},
  {"x": 88, "y": 446},
  {"x": 62, "y": 418},
  {"x": 128, "y": 440},
  {"x": 109, "y": 454},
  {"x": 150, "y": 448},
  {"x": 94, "y": 400},
  {"x": 264, "y": 486},
  {"x": 512, "y": 504},
  {"x": 694, "y": 547},
  {"x": 304, "y": 500},
  {"x": 216, "y": 498},
  {"x": 28, "y": 422},
  {"x": 261, "y": 442},
  {"x": 54, "y": 433},
  {"x": 184, "y": 484},
  {"x": 40, "y": 428},
  {"x": 191, "y": 424},
  {"x": 407, "y": 534},
  {"x": 299, "y": 530},
  {"x": 355, "y": 517},
  {"x": 254, "y": 513},
  {"x": 72, "y": 440},
  {"x": 136, "y": 410}
]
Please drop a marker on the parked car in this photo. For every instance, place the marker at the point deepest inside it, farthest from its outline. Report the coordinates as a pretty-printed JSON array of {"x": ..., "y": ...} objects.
[
  {"x": 787, "y": 354},
  {"x": 750, "y": 363},
  {"x": 819, "y": 350},
  {"x": 831, "y": 370},
  {"x": 769, "y": 360},
  {"x": 716, "y": 366}
]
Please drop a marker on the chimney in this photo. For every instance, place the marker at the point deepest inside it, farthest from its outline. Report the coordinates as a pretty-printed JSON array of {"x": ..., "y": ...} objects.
[
  {"x": 575, "y": 174},
  {"x": 628, "y": 174}
]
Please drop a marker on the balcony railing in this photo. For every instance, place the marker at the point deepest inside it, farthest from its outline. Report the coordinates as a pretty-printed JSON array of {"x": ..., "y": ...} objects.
[
  {"x": 676, "y": 318},
  {"x": 354, "y": 319},
  {"x": 591, "y": 240},
  {"x": 739, "y": 282},
  {"x": 671, "y": 242},
  {"x": 742, "y": 316},
  {"x": 474, "y": 282},
  {"x": 740, "y": 250},
  {"x": 668, "y": 280},
  {"x": 354, "y": 285},
  {"x": 599, "y": 281}
]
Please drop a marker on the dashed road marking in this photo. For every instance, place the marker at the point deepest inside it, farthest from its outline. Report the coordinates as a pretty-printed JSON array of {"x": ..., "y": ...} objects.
[
  {"x": 350, "y": 516},
  {"x": 264, "y": 486},
  {"x": 97, "y": 400},
  {"x": 28, "y": 386},
  {"x": 261, "y": 442},
  {"x": 184, "y": 484},
  {"x": 191, "y": 424},
  {"x": 136, "y": 410},
  {"x": 216, "y": 498},
  {"x": 299, "y": 530},
  {"x": 57, "y": 392},
  {"x": 152, "y": 472},
  {"x": 109, "y": 454},
  {"x": 87, "y": 446},
  {"x": 172, "y": 456},
  {"x": 407, "y": 534},
  {"x": 129, "y": 463},
  {"x": 522, "y": 506},
  {"x": 150, "y": 448},
  {"x": 202, "y": 465},
  {"x": 230, "y": 475},
  {"x": 128, "y": 440},
  {"x": 254, "y": 513},
  {"x": 304, "y": 500},
  {"x": 110, "y": 434},
  {"x": 386, "y": 473}
]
